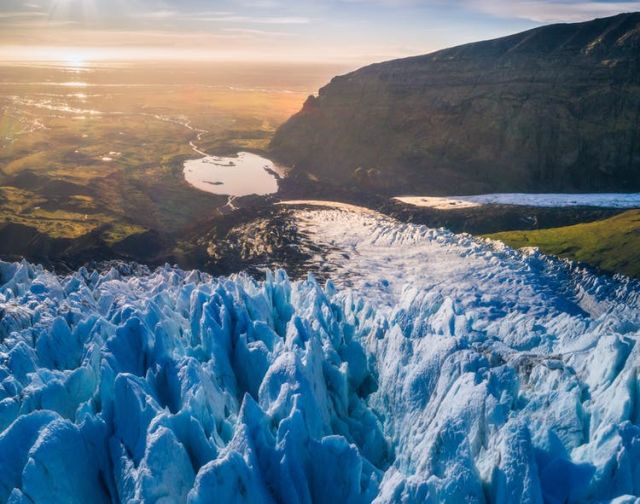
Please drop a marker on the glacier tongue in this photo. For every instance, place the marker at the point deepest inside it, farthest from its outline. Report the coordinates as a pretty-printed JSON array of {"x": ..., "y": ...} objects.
[{"x": 435, "y": 368}]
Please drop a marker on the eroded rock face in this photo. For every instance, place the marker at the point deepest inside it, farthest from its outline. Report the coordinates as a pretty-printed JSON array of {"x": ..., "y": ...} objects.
[{"x": 554, "y": 108}]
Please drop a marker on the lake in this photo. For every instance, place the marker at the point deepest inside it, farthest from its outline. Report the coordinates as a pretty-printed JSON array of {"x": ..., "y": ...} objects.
[{"x": 241, "y": 175}]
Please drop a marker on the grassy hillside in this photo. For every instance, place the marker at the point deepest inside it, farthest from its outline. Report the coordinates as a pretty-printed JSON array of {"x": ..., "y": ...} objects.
[{"x": 613, "y": 244}]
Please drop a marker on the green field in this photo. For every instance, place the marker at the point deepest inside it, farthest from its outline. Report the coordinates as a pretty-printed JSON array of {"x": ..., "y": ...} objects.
[
  {"x": 103, "y": 149},
  {"x": 612, "y": 245}
]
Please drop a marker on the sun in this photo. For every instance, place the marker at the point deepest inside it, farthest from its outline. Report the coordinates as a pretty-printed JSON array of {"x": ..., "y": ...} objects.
[{"x": 75, "y": 61}]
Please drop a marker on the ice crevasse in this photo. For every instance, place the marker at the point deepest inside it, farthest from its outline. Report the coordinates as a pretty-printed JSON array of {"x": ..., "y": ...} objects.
[{"x": 169, "y": 386}]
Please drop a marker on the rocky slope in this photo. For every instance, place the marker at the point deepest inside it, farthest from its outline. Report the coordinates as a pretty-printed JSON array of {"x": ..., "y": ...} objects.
[{"x": 556, "y": 108}]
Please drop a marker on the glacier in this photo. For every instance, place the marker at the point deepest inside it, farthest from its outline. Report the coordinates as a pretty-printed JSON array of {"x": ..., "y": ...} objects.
[{"x": 431, "y": 367}]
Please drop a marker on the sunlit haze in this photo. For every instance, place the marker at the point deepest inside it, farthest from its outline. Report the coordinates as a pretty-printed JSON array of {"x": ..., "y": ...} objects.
[{"x": 337, "y": 31}]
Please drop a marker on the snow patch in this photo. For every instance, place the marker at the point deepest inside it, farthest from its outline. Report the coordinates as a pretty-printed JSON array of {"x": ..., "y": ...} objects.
[{"x": 604, "y": 200}]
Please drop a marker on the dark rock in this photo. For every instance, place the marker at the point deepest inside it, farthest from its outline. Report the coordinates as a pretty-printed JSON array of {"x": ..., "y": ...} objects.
[{"x": 556, "y": 108}]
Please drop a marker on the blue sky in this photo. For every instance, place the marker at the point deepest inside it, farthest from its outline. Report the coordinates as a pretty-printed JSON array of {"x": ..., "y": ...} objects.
[{"x": 342, "y": 31}]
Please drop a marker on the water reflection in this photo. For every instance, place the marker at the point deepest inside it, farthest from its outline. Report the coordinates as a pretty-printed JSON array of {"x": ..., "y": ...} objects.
[{"x": 242, "y": 175}]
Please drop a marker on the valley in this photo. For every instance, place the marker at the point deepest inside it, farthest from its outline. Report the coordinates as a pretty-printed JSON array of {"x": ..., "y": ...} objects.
[
  {"x": 166, "y": 164},
  {"x": 91, "y": 158}
]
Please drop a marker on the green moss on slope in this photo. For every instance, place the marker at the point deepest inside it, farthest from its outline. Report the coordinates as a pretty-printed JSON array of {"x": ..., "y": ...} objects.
[{"x": 612, "y": 245}]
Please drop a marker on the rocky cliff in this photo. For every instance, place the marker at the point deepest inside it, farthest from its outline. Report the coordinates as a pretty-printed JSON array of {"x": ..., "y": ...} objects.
[{"x": 555, "y": 108}]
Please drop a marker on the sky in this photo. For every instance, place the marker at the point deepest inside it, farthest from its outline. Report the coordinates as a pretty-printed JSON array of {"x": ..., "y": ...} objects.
[{"x": 310, "y": 31}]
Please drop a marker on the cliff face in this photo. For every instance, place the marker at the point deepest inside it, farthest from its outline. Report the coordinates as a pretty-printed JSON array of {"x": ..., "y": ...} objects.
[{"x": 556, "y": 108}]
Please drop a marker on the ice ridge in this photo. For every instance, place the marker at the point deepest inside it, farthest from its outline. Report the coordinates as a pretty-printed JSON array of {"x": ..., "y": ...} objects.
[{"x": 169, "y": 386}]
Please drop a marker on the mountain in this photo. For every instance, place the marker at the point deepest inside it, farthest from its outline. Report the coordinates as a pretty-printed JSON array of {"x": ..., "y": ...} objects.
[
  {"x": 437, "y": 369},
  {"x": 556, "y": 108}
]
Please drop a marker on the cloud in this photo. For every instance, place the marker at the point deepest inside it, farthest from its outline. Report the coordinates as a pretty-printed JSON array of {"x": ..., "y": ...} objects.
[
  {"x": 285, "y": 20},
  {"x": 161, "y": 14},
  {"x": 259, "y": 33},
  {"x": 282, "y": 20},
  {"x": 551, "y": 12},
  {"x": 296, "y": 11},
  {"x": 365, "y": 30},
  {"x": 147, "y": 14},
  {"x": 21, "y": 15},
  {"x": 541, "y": 11}
]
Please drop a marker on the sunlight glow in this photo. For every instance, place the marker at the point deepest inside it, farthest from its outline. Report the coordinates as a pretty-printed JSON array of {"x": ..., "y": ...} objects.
[
  {"x": 75, "y": 61},
  {"x": 75, "y": 84}
]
